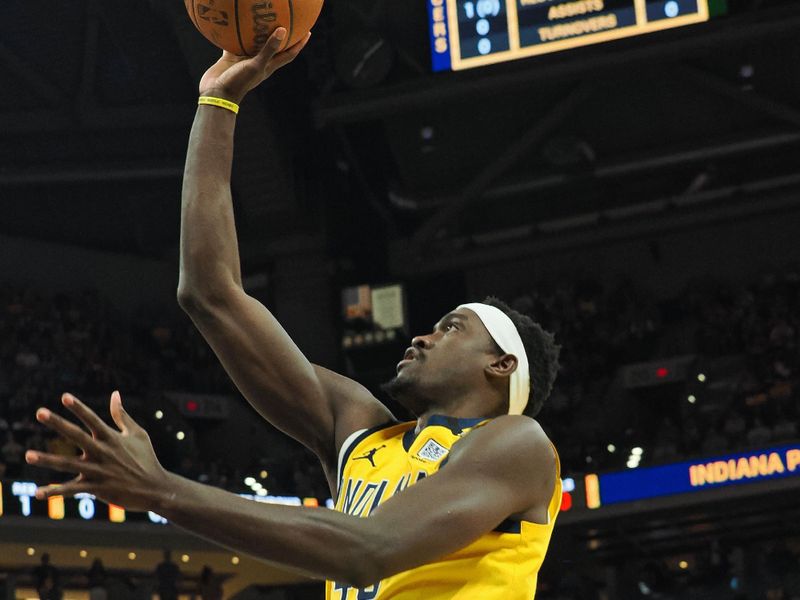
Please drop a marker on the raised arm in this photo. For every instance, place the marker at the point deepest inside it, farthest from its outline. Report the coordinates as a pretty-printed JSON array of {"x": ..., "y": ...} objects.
[
  {"x": 506, "y": 468},
  {"x": 311, "y": 404}
]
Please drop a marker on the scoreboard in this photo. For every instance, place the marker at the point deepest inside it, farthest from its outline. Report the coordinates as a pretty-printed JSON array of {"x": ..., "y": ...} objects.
[{"x": 472, "y": 33}]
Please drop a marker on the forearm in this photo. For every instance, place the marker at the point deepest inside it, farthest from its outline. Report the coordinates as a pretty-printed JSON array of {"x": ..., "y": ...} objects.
[
  {"x": 209, "y": 255},
  {"x": 315, "y": 542}
]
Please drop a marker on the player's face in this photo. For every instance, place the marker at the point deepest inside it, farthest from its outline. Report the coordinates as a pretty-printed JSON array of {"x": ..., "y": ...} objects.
[{"x": 443, "y": 364}]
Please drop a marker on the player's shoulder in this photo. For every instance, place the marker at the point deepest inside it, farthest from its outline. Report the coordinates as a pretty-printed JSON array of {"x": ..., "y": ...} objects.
[{"x": 516, "y": 437}]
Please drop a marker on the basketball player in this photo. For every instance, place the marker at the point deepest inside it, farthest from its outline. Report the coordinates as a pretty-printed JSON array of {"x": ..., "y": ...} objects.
[{"x": 460, "y": 503}]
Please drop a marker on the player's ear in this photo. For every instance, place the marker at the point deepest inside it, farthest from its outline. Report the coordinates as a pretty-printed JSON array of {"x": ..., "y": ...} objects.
[{"x": 502, "y": 366}]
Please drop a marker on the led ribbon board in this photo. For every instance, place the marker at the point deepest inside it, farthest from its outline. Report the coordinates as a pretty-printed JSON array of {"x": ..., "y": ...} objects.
[
  {"x": 693, "y": 476},
  {"x": 473, "y": 33}
]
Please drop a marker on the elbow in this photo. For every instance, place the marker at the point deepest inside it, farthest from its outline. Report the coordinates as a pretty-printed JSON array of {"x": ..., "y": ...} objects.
[
  {"x": 188, "y": 298},
  {"x": 190, "y": 301},
  {"x": 198, "y": 301},
  {"x": 362, "y": 576},
  {"x": 371, "y": 564}
]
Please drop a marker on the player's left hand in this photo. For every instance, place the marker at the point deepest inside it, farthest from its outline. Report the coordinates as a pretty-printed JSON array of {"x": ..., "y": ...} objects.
[{"x": 118, "y": 466}]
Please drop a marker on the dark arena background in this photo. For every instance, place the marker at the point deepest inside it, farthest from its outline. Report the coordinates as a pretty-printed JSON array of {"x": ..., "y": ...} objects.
[{"x": 636, "y": 190}]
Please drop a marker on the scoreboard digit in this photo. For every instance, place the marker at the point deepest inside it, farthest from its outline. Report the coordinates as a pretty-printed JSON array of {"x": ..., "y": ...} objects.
[{"x": 472, "y": 33}]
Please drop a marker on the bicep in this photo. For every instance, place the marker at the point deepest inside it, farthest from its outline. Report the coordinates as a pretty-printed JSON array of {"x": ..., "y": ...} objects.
[{"x": 309, "y": 403}]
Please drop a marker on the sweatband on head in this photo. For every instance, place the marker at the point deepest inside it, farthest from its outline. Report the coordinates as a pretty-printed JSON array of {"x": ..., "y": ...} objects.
[{"x": 505, "y": 333}]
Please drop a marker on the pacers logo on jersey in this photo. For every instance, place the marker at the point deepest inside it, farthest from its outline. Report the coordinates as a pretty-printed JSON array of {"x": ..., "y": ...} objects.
[{"x": 432, "y": 451}]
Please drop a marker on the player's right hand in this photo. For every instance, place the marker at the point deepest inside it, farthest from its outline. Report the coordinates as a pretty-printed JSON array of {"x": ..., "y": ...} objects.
[{"x": 232, "y": 76}]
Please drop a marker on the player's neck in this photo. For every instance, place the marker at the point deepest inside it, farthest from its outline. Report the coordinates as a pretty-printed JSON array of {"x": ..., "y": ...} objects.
[{"x": 466, "y": 408}]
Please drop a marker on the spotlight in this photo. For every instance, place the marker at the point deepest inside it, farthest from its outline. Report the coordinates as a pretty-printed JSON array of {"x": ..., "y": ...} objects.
[
  {"x": 159, "y": 414},
  {"x": 249, "y": 480},
  {"x": 184, "y": 558},
  {"x": 132, "y": 555},
  {"x": 234, "y": 560},
  {"x": 263, "y": 474},
  {"x": 611, "y": 448},
  {"x": 692, "y": 399},
  {"x": 701, "y": 377},
  {"x": 30, "y": 551},
  {"x": 261, "y": 492},
  {"x": 83, "y": 553},
  {"x": 637, "y": 451},
  {"x": 180, "y": 435},
  {"x": 683, "y": 564}
]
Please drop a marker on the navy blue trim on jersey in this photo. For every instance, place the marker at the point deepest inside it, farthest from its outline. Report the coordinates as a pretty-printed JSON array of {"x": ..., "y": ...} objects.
[
  {"x": 509, "y": 526},
  {"x": 454, "y": 424},
  {"x": 356, "y": 442}
]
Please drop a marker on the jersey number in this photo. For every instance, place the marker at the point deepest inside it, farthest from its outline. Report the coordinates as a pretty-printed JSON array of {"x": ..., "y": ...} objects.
[{"x": 369, "y": 593}]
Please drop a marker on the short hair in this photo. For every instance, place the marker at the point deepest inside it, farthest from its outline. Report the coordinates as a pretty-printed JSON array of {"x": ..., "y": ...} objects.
[{"x": 542, "y": 351}]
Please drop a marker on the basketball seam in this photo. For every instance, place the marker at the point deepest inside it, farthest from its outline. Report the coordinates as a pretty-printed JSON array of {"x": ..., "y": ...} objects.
[
  {"x": 238, "y": 29},
  {"x": 291, "y": 21},
  {"x": 194, "y": 13}
]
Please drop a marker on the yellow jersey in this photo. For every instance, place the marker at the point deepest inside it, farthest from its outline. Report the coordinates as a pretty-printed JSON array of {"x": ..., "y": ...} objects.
[{"x": 503, "y": 564}]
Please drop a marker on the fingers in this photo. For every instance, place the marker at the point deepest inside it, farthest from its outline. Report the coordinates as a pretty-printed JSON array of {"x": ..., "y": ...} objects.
[
  {"x": 87, "y": 416},
  {"x": 65, "y": 464},
  {"x": 284, "y": 58},
  {"x": 272, "y": 46},
  {"x": 76, "y": 486},
  {"x": 121, "y": 417},
  {"x": 68, "y": 430}
]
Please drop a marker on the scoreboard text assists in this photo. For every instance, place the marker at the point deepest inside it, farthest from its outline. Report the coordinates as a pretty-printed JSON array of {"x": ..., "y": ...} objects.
[{"x": 472, "y": 33}]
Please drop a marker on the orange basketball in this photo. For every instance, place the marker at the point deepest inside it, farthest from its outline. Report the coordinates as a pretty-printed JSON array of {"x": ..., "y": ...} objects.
[{"x": 243, "y": 26}]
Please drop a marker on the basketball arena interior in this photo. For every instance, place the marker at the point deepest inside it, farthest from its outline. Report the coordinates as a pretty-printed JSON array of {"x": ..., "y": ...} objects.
[{"x": 635, "y": 190}]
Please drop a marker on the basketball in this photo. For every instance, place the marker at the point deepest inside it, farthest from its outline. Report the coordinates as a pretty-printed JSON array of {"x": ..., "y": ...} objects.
[{"x": 243, "y": 26}]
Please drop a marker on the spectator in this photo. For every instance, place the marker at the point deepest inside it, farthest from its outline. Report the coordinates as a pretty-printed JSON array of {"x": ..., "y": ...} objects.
[
  {"x": 714, "y": 442},
  {"x": 12, "y": 453},
  {"x": 759, "y": 434},
  {"x": 167, "y": 574},
  {"x": 97, "y": 581},
  {"x": 47, "y": 580},
  {"x": 209, "y": 587}
]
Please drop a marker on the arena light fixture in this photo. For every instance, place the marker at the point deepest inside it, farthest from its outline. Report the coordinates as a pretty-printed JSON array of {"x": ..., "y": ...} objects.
[
  {"x": 692, "y": 398},
  {"x": 30, "y": 551},
  {"x": 159, "y": 414},
  {"x": 637, "y": 451},
  {"x": 184, "y": 558},
  {"x": 611, "y": 448},
  {"x": 132, "y": 555},
  {"x": 180, "y": 435},
  {"x": 234, "y": 560},
  {"x": 701, "y": 377},
  {"x": 249, "y": 481}
]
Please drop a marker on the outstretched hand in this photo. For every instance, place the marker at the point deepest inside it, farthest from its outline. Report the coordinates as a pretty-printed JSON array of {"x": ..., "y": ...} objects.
[
  {"x": 118, "y": 466},
  {"x": 232, "y": 76}
]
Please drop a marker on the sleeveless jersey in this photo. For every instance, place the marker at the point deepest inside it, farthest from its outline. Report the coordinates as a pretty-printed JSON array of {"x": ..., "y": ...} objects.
[{"x": 503, "y": 564}]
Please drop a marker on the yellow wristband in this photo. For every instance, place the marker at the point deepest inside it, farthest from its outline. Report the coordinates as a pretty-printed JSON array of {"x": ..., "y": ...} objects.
[{"x": 220, "y": 102}]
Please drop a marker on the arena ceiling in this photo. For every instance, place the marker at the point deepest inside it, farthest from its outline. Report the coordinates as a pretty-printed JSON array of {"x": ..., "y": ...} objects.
[{"x": 360, "y": 147}]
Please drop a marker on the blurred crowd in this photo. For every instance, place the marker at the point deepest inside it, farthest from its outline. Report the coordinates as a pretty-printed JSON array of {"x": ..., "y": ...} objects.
[
  {"x": 745, "y": 337},
  {"x": 167, "y": 581},
  {"x": 78, "y": 342},
  {"x": 765, "y": 570}
]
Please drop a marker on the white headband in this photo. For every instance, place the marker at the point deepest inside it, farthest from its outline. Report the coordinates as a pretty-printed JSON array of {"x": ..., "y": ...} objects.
[{"x": 504, "y": 332}]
